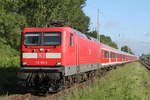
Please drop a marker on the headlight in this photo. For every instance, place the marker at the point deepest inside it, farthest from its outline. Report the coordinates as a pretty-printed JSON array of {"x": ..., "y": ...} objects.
[
  {"x": 58, "y": 63},
  {"x": 24, "y": 63},
  {"x": 41, "y": 49}
]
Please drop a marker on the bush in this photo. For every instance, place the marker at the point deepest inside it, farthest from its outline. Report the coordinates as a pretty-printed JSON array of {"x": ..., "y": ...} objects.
[
  {"x": 9, "y": 57},
  {"x": 9, "y": 61}
]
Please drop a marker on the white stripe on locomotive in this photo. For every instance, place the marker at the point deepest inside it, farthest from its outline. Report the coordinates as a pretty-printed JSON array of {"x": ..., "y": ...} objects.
[
  {"x": 29, "y": 55},
  {"x": 48, "y": 55},
  {"x": 53, "y": 55}
]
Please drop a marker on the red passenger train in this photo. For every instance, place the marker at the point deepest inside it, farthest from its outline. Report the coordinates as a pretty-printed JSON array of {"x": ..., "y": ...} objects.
[{"x": 50, "y": 56}]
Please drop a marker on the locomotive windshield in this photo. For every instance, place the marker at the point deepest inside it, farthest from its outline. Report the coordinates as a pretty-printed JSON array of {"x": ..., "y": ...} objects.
[
  {"x": 42, "y": 38},
  {"x": 51, "y": 38}
]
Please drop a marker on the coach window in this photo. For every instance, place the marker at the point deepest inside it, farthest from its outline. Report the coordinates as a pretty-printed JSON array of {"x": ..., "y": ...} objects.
[
  {"x": 71, "y": 40},
  {"x": 120, "y": 56},
  {"x": 117, "y": 56},
  {"x": 106, "y": 54},
  {"x": 110, "y": 54},
  {"x": 102, "y": 52},
  {"x": 124, "y": 57},
  {"x": 114, "y": 55}
]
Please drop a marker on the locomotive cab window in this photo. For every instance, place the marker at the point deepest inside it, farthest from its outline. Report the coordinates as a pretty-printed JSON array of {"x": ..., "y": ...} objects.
[
  {"x": 51, "y": 38},
  {"x": 71, "y": 40},
  {"x": 42, "y": 38},
  {"x": 32, "y": 38}
]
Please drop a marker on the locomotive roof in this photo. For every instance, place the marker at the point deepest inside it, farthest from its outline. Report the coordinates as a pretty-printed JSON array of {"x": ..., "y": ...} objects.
[
  {"x": 60, "y": 28},
  {"x": 46, "y": 28}
]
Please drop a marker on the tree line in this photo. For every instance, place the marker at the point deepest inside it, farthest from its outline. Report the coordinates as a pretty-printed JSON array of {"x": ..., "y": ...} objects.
[
  {"x": 18, "y": 14},
  {"x": 107, "y": 40}
]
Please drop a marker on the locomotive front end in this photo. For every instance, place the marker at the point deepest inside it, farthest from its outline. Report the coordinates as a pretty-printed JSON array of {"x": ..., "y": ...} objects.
[
  {"x": 41, "y": 49},
  {"x": 41, "y": 54}
]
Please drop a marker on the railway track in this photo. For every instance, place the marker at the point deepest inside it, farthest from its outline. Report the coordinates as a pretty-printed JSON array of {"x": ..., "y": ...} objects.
[
  {"x": 56, "y": 96},
  {"x": 53, "y": 96},
  {"x": 27, "y": 96},
  {"x": 18, "y": 97},
  {"x": 146, "y": 64}
]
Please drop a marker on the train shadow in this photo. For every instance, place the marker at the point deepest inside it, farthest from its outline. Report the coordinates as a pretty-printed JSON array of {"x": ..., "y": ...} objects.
[{"x": 9, "y": 80}]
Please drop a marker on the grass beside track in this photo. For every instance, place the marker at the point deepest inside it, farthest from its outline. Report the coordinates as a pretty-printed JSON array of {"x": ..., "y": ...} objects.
[
  {"x": 8, "y": 75},
  {"x": 131, "y": 82}
]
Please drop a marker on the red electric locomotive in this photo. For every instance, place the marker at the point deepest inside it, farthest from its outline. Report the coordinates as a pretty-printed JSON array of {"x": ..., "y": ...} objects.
[{"x": 52, "y": 56}]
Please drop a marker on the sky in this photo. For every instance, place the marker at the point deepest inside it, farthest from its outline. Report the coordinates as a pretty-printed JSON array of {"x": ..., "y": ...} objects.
[{"x": 127, "y": 22}]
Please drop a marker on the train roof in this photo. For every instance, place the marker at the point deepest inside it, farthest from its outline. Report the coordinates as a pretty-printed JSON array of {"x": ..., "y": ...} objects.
[
  {"x": 60, "y": 29},
  {"x": 108, "y": 48},
  {"x": 45, "y": 28},
  {"x": 104, "y": 47}
]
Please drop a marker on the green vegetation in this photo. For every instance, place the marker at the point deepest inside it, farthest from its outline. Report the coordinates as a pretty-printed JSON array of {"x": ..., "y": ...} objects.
[
  {"x": 131, "y": 82},
  {"x": 127, "y": 49},
  {"x": 107, "y": 40},
  {"x": 8, "y": 80},
  {"x": 18, "y": 14},
  {"x": 145, "y": 57},
  {"x": 9, "y": 62},
  {"x": 8, "y": 56},
  {"x": 8, "y": 75}
]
